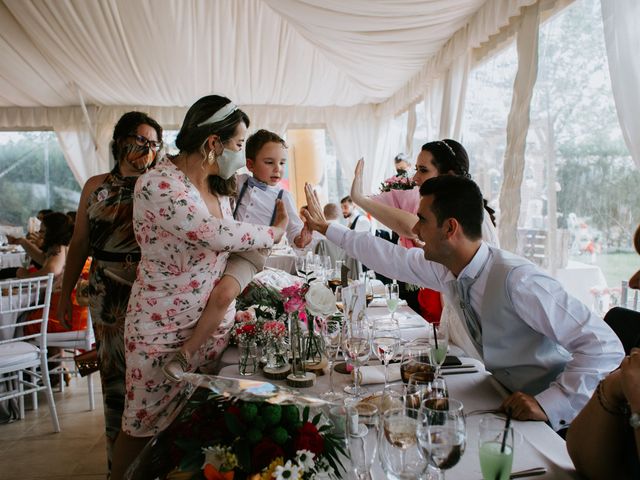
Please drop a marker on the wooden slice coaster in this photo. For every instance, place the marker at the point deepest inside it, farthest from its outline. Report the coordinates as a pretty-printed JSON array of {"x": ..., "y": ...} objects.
[
  {"x": 276, "y": 373},
  {"x": 317, "y": 368},
  {"x": 301, "y": 382}
]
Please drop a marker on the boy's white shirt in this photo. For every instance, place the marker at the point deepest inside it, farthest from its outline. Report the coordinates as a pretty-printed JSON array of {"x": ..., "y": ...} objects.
[{"x": 256, "y": 206}]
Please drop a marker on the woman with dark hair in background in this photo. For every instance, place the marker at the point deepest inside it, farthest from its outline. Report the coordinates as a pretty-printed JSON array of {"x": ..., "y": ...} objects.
[
  {"x": 184, "y": 224},
  {"x": 397, "y": 210},
  {"x": 104, "y": 231}
]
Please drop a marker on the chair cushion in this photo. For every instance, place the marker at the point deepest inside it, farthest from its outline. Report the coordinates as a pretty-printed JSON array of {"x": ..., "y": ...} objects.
[
  {"x": 77, "y": 336},
  {"x": 17, "y": 353}
]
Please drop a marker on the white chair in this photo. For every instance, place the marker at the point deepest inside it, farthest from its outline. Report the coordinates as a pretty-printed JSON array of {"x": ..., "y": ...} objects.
[
  {"x": 69, "y": 343},
  {"x": 20, "y": 359},
  {"x": 629, "y": 297}
]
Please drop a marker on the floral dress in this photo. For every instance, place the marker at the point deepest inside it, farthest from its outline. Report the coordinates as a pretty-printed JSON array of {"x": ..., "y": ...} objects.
[
  {"x": 184, "y": 254},
  {"x": 115, "y": 254}
]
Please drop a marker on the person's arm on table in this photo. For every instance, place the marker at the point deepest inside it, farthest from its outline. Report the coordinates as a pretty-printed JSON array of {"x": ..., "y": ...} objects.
[
  {"x": 546, "y": 307},
  {"x": 393, "y": 261},
  {"x": 36, "y": 254}
]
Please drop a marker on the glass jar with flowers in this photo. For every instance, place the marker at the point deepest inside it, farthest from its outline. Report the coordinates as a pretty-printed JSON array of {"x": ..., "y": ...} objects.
[{"x": 246, "y": 334}]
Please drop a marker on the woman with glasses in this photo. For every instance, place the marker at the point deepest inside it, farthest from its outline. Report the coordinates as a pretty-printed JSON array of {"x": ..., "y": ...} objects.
[{"x": 104, "y": 231}]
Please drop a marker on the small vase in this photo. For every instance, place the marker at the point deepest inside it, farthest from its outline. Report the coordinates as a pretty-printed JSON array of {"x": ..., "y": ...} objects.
[
  {"x": 313, "y": 344},
  {"x": 296, "y": 345},
  {"x": 247, "y": 357},
  {"x": 276, "y": 354}
]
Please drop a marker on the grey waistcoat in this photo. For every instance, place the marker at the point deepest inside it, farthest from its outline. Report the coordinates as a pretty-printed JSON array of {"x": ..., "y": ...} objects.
[{"x": 520, "y": 358}]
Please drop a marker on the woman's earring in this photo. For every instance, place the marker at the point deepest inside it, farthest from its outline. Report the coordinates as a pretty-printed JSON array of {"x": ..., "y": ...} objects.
[{"x": 211, "y": 157}]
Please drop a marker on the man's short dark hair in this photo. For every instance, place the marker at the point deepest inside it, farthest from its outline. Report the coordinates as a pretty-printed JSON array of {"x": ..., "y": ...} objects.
[
  {"x": 258, "y": 140},
  {"x": 346, "y": 199},
  {"x": 459, "y": 198}
]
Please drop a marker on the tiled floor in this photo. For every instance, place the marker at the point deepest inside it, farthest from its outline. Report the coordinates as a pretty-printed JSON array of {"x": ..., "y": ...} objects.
[{"x": 30, "y": 450}]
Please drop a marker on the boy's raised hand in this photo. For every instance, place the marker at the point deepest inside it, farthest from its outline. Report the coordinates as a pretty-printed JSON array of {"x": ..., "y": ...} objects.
[
  {"x": 314, "y": 214},
  {"x": 280, "y": 221}
]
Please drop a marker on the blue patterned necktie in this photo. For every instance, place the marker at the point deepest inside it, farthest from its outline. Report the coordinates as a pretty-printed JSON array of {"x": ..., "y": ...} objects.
[{"x": 470, "y": 317}]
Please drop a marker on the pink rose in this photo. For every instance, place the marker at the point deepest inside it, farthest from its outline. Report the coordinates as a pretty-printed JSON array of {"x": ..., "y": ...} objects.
[
  {"x": 136, "y": 373},
  {"x": 152, "y": 301},
  {"x": 156, "y": 317},
  {"x": 194, "y": 284},
  {"x": 164, "y": 185},
  {"x": 193, "y": 236}
]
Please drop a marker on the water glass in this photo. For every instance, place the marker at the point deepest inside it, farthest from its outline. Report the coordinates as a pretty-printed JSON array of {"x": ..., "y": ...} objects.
[
  {"x": 400, "y": 454},
  {"x": 415, "y": 358},
  {"x": 386, "y": 342},
  {"x": 331, "y": 331},
  {"x": 362, "y": 425},
  {"x": 495, "y": 443},
  {"x": 422, "y": 385},
  {"x": 356, "y": 346}
]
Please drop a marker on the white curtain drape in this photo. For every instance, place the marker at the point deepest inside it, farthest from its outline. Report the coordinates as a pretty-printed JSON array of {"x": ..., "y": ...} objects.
[
  {"x": 518, "y": 126},
  {"x": 621, "y": 19},
  {"x": 444, "y": 100}
]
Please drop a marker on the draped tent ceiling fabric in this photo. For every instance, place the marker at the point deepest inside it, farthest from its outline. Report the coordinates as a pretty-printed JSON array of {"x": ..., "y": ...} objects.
[{"x": 303, "y": 62}]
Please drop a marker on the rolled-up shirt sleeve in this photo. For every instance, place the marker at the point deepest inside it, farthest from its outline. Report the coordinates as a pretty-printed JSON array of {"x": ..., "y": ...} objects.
[
  {"x": 393, "y": 261},
  {"x": 595, "y": 350}
]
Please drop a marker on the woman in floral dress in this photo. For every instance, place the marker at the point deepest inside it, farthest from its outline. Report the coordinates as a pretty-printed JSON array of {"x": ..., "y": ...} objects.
[
  {"x": 184, "y": 224},
  {"x": 104, "y": 231}
]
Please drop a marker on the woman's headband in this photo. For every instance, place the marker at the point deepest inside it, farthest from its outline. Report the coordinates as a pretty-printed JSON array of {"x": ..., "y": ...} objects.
[{"x": 220, "y": 115}]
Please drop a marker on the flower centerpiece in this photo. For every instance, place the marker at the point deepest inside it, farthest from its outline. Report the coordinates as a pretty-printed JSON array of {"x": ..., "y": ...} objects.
[
  {"x": 246, "y": 333},
  {"x": 398, "y": 182},
  {"x": 217, "y": 438}
]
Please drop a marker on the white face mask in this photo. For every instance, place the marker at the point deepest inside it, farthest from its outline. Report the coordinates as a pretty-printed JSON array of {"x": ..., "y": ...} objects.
[{"x": 229, "y": 163}]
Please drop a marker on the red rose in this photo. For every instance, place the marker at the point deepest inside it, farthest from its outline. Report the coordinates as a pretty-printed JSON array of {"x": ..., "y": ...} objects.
[
  {"x": 131, "y": 346},
  {"x": 141, "y": 414},
  {"x": 309, "y": 439},
  {"x": 130, "y": 395},
  {"x": 156, "y": 317},
  {"x": 164, "y": 185},
  {"x": 264, "y": 453},
  {"x": 136, "y": 374},
  {"x": 194, "y": 284},
  {"x": 193, "y": 236}
]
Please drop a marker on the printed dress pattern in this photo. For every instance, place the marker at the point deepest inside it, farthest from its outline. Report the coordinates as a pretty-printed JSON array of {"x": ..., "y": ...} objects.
[
  {"x": 184, "y": 254},
  {"x": 110, "y": 210}
]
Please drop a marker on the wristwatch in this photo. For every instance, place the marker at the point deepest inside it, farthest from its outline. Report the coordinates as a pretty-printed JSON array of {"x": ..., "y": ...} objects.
[{"x": 634, "y": 420}]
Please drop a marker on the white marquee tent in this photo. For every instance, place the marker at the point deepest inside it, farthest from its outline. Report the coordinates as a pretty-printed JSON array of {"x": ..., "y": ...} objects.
[{"x": 75, "y": 66}]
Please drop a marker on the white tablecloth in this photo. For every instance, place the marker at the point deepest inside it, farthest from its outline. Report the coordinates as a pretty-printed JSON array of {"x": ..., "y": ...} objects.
[
  {"x": 578, "y": 278},
  {"x": 12, "y": 258},
  {"x": 282, "y": 260},
  {"x": 541, "y": 446}
]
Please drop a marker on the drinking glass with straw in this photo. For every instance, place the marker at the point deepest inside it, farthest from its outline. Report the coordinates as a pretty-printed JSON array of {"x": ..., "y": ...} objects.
[
  {"x": 495, "y": 442},
  {"x": 438, "y": 350}
]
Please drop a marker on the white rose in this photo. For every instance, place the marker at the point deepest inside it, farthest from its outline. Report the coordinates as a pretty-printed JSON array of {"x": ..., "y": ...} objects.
[{"x": 320, "y": 300}]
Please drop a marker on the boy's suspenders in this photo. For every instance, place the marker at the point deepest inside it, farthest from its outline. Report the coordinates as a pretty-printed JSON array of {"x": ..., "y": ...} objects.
[{"x": 243, "y": 190}]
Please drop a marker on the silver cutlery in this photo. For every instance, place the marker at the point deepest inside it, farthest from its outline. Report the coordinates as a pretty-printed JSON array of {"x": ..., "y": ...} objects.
[{"x": 532, "y": 472}]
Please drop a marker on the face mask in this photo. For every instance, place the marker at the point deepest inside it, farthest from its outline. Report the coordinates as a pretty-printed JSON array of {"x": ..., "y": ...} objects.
[
  {"x": 229, "y": 163},
  {"x": 138, "y": 157}
]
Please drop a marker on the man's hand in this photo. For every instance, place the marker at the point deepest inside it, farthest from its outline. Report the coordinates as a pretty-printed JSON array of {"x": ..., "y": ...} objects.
[
  {"x": 304, "y": 238},
  {"x": 523, "y": 407},
  {"x": 356, "y": 186},
  {"x": 314, "y": 215}
]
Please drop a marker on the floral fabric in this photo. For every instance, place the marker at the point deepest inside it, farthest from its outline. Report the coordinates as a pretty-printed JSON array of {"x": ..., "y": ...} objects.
[{"x": 184, "y": 254}]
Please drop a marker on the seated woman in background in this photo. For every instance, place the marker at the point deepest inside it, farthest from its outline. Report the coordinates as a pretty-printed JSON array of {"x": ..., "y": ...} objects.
[
  {"x": 56, "y": 230},
  {"x": 604, "y": 439}
]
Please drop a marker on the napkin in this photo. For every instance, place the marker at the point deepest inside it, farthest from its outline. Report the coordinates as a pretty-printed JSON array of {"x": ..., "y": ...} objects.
[
  {"x": 382, "y": 302},
  {"x": 375, "y": 373}
]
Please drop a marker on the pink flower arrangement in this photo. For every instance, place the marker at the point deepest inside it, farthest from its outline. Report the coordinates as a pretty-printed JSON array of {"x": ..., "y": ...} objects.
[
  {"x": 274, "y": 330},
  {"x": 400, "y": 182},
  {"x": 293, "y": 297}
]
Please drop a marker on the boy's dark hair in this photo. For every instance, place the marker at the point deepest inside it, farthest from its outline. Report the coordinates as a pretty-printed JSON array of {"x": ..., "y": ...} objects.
[
  {"x": 459, "y": 198},
  {"x": 259, "y": 139},
  {"x": 346, "y": 199}
]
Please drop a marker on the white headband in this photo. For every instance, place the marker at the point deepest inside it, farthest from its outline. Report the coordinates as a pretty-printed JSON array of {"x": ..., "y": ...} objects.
[{"x": 220, "y": 115}]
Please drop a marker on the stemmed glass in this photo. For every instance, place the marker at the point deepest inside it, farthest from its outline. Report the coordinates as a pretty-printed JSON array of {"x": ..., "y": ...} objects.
[
  {"x": 363, "y": 421},
  {"x": 422, "y": 385},
  {"x": 439, "y": 347},
  {"x": 356, "y": 345},
  {"x": 386, "y": 342},
  {"x": 301, "y": 266},
  {"x": 339, "y": 299},
  {"x": 400, "y": 453},
  {"x": 332, "y": 335},
  {"x": 441, "y": 432},
  {"x": 392, "y": 295},
  {"x": 415, "y": 358}
]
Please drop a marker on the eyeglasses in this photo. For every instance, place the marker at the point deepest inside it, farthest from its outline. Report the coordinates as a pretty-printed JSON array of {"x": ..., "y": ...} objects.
[{"x": 144, "y": 141}]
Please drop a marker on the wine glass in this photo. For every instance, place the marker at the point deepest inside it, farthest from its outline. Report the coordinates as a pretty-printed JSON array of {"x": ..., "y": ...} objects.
[
  {"x": 363, "y": 423},
  {"x": 439, "y": 347},
  {"x": 332, "y": 335},
  {"x": 392, "y": 295},
  {"x": 339, "y": 299},
  {"x": 495, "y": 444},
  {"x": 415, "y": 358},
  {"x": 386, "y": 342},
  {"x": 368, "y": 289},
  {"x": 356, "y": 345},
  {"x": 301, "y": 266},
  {"x": 441, "y": 432},
  {"x": 400, "y": 454},
  {"x": 417, "y": 387}
]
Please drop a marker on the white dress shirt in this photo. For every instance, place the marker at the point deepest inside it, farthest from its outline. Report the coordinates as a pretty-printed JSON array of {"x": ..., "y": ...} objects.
[
  {"x": 257, "y": 206},
  {"x": 540, "y": 300},
  {"x": 363, "y": 224}
]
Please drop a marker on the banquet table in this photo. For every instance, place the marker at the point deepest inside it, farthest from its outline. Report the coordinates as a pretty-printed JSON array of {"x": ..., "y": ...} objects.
[
  {"x": 12, "y": 256},
  {"x": 540, "y": 445},
  {"x": 282, "y": 260}
]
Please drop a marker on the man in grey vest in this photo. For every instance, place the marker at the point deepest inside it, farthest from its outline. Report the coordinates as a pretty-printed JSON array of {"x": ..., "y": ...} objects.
[{"x": 542, "y": 344}]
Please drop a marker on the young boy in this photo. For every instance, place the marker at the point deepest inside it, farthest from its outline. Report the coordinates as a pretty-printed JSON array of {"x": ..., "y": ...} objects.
[{"x": 256, "y": 202}]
